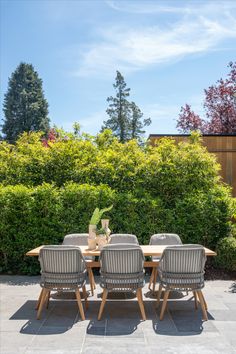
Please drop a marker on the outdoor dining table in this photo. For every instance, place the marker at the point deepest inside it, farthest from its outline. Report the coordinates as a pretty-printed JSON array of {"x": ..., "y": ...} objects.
[{"x": 148, "y": 250}]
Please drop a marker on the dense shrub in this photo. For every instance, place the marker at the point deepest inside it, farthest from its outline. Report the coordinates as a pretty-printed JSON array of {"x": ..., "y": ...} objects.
[
  {"x": 166, "y": 170},
  {"x": 43, "y": 215},
  {"x": 47, "y": 192},
  {"x": 226, "y": 253}
]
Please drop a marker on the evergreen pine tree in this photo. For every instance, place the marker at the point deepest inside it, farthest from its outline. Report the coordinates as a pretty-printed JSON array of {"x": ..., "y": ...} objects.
[
  {"x": 24, "y": 106},
  {"x": 136, "y": 123},
  {"x": 125, "y": 118},
  {"x": 119, "y": 110}
]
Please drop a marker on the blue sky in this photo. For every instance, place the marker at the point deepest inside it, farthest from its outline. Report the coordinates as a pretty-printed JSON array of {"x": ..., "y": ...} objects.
[{"x": 168, "y": 52}]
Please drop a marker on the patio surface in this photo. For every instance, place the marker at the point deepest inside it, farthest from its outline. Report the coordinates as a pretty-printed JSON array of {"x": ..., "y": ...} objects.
[{"x": 60, "y": 330}]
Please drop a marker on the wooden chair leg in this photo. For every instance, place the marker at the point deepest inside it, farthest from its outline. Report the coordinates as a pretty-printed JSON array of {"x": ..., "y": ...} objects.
[
  {"x": 159, "y": 295},
  {"x": 94, "y": 284},
  {"x": 91, "y": 280},
  {"x": 140, "y": 302},
  {"x": 39, "y": 300},
  {"x": 166, "y": 295},
  {"x": 151, "y": 279},
  {"x": 204, "y": 300},
  {"x": 85, "y": 297},
  {"x": 48, "y": 298},
  {"x": 43, "y": 299},
  {"x": 81, "y": 310},
  {"x": 203, "y": 306},
  {"x": 195, "y": 299},
  {"x": 104, "y": 297},
  {"x": 155, "y": 279}
]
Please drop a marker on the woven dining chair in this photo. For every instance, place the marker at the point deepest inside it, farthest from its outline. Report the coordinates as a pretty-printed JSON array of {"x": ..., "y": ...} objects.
[
  {"x": 82, "y": 240},
  {"x": 62, "y": 268},
  {"x": 123, "y": 238},
  {"x": 181, "y": 268},
  {"x": 161, "y": 239},
  {"x": 122, "y": 271}
]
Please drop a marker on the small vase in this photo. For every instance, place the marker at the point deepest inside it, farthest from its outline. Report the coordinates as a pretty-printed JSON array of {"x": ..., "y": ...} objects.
[
  {"x": 92, "y": 237},
  {"x": 101, "y": 241},
  {"x": 105, "y": 226}
]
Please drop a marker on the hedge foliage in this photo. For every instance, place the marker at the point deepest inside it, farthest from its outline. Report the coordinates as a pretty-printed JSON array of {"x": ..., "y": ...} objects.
[
  {"x": 226, "y": 253},
  {"x": 47, "y": 192},
  {"x": 166, "y": 170}
]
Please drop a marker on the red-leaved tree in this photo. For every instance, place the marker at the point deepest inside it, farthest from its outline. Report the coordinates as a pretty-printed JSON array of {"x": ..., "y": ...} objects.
[
  {"x": 51, "y": 138},
  {"x": 188, "y": 120},
  {"x": 219, "y": 105}
]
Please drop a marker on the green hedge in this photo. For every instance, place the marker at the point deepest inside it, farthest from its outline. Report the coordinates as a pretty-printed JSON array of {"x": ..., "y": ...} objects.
[
  {"x": 47, "y": 192},
  {"x": 43, "y": 215},
  {"x": 226, "y": 253},
  {"x": 166, "y": 170}
]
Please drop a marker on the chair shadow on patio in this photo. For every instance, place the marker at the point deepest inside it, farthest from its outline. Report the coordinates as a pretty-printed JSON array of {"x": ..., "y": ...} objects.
[
  {"x": 121, "y": 318},
  {"x": 58, "y": 318},
  {"x": 173, "y": 295},
  {"x": 113, "y": 327},
  {"x": 182, "y": 319},
  {"x": 118, "y": 295}
]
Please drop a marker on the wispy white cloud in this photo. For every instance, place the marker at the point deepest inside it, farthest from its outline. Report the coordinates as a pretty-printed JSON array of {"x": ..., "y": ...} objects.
[
  {"x": 147, "y": 7},
  {"x": 133, "y": 48},
  {"x": 158, "y": 7}
]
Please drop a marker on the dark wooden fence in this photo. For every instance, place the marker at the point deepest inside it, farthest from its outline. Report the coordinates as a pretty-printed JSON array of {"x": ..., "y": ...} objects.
[{"x": 223, "y": 146}]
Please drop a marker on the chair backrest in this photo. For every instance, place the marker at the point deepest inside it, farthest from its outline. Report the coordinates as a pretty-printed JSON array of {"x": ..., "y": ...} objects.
[
  {"x": 124, "y": 238},
  {"x": 76, "y": 239},
  {"x": 165, "y": 239},
  {"x": 61, "y": 260},
  {"x": 122, "y": 258},
  {"x": 184, "y": 259}
]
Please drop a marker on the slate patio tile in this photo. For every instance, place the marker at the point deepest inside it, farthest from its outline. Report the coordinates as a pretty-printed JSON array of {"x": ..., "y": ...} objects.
[{"x": 121, "y": 329}]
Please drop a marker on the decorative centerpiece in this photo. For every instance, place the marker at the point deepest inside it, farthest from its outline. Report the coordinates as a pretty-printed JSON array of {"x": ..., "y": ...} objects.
[
  {"x": 95, "y": 234},
  {"x": 103, "y": 234}
]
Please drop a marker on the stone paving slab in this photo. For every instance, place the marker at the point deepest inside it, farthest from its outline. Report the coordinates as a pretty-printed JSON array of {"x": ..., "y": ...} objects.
[{"x": 121, "y": 330}]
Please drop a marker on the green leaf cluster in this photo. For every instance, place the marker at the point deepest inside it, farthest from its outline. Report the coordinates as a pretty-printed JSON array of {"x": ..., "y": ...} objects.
[
  {"x": 226, "y": 253},
  {"x": 97, "y": 214}
]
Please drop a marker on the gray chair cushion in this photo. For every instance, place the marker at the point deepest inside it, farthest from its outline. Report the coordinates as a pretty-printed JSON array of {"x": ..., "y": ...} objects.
[
  {"x": 122, "y": 267},
  {"x": 62, "y": 267},
  {"x": 164, "y": 239},
  {"x": 124, "y": 238},
  {"x": 78, "y": 240},
  {"x": 182, "y": 267}
]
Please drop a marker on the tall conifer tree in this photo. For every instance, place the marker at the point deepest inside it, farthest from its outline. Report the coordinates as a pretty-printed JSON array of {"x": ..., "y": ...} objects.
[
  {"x": 24, "y": 106},
  {"x": 136, "y": 123},
  {"x": 119, "y": 109},
  {"x": 125, "y": 117}
]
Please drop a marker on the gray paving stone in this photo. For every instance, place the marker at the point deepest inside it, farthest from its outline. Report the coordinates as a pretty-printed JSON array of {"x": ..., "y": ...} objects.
[
  {"x": 121, "y": 329},
  {"x": 231, "y": 305},
  {"x": 111, "y": 346},
  {"x": 14, "y": 342},
  {"x": 190, "y": 321},
  {"x": 221, "y": 315},
  {"x": 48, "y": 351},
  {"x": 20, "y": 326},
  {"x": 228, "y": 331},
  {"x": 58, "y": 338}
]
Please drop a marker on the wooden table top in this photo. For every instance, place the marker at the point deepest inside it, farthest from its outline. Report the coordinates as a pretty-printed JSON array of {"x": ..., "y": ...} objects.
[{"x": 148, "y": 250}]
